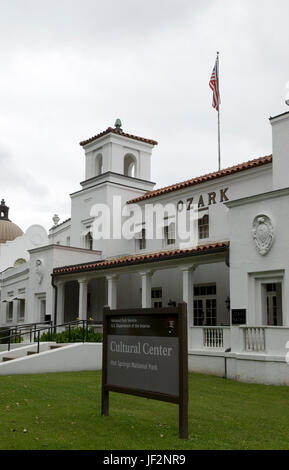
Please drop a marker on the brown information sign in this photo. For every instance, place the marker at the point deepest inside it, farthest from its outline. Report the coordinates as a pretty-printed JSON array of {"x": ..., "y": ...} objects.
[{"x": 145, "y": 353}]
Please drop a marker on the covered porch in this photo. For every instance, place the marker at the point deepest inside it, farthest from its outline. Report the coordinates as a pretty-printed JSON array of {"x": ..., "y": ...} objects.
[{"x": 199, "y": 277}]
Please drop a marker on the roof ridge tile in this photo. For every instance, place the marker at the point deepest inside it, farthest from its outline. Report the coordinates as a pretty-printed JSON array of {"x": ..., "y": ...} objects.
[
  {"x": 118, "y": 132},
  {"x": 132, "y": 259},
  {"x": 201, "y": 179}
]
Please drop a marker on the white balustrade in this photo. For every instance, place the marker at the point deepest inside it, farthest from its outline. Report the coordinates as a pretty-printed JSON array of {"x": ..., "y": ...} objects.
[
  {"x": 254, "y": 337},
  {"x": 213, "y": 337}
]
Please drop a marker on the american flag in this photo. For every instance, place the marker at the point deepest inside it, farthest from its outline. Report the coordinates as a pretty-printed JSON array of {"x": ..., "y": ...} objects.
[{"x": 214, "y": 85}]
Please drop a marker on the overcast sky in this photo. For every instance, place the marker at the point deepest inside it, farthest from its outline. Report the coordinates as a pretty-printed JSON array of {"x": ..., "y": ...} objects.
[{"x": 69, "y": 68}]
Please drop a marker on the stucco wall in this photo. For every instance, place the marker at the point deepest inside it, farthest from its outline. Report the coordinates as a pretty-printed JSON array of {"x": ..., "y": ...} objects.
[{"x": 247, "y": 265}]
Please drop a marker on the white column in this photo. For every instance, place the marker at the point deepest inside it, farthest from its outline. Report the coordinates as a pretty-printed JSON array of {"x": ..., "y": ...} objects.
[
  {"x": 112, "y": 291},
  {"x": 188, "y": 295},
  {"x": 60, "y": 303},
  {"x": 146, "y": 288},
  {"x": 82, "y": 309}
]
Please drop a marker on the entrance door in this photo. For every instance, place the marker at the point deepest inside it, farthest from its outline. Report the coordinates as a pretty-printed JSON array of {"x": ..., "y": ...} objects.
[
  {"x": 274, "y": 304},
  {"x": 205, "y": 305}
]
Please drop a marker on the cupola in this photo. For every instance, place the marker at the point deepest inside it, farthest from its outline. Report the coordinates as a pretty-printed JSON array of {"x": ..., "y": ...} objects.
[
  {"x": 116, "y": 151},
  {"x": 8, "y": 230}
]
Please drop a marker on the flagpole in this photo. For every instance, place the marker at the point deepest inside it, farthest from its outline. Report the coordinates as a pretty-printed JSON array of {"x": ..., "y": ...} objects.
[
  {"x": 219, "y": 142},
  {"x": 219, "y": 134}
]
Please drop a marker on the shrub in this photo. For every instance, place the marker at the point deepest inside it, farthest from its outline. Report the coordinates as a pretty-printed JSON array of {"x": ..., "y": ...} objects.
[
  {"x": 76, "y": 335},
  {"x": 4, "y": 337},
  {"x": 16, "y": 339}
]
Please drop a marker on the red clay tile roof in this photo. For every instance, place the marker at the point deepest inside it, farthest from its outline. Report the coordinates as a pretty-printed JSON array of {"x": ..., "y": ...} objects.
[
  {"x": 115, "y": 131},
  {"x": 202, "y": 179},
  {"x": 143, "y": 258}
]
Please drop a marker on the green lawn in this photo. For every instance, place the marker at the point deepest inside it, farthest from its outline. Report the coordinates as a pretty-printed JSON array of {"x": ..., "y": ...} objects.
[{"x": 62, "y": 411}]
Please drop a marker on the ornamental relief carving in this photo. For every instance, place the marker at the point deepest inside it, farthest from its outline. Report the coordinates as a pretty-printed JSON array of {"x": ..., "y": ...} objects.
[
  {"x": 263, "y": 233},
  {"x": 39, "y": 270}
]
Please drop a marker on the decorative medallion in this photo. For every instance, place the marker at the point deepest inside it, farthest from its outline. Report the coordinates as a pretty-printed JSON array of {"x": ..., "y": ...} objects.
[
  {"x": 37, "y": 239},
  {"x": 263, "y": 233},
  {"x": 39, "y": 270}
]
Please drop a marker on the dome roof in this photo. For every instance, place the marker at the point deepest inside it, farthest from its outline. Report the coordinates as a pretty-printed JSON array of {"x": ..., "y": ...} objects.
[{"x": 8, "y": 230}]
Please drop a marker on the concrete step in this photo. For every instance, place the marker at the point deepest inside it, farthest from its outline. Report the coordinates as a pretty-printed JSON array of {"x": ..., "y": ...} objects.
[
  {"x": 5, "y": 359},
  {"x": 65, "y": 358}
]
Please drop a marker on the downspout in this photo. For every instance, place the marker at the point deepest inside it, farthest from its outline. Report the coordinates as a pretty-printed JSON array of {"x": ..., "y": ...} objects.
[
  {"x": 227, "y": 261},
  {"x": 227, "y": 258},
  {"x": 55, "y": 298}
]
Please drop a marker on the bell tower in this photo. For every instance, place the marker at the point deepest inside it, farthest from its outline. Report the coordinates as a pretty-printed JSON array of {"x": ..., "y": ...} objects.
[
  {"x": 117, "y": 169},
  {"x": 118, "y": 152}
]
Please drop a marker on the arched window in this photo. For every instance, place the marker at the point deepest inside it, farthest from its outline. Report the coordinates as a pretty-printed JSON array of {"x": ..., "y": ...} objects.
[
  {"x": 98, "y": 164},
  {"x": 129, "y": 167},
  {"x": 19, "y": 261}
]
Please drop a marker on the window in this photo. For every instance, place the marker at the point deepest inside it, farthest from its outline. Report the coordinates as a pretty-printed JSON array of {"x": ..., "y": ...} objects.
[
  {"x": 42, "y": 309},
  {"x": 88, "y": 241},
  {"x": 271, "y": 287},
  {"x": 205, "y": 290},
  {"x": 142, "y": 240},
  {"x": 157, "y": 294},
  {"x": 129, "y": 166},
  {"x": 203, "y": 226},
  {"x": 9, "y": 316},
  {"x": 205, "y": 305},
  {"x": 68, "y": 241},
  {"x": 19, "y": 261},
  {"x": 21, "y": 312},
  {"x": 140, "y": 236},
  {"x": 170, "y": 233}
]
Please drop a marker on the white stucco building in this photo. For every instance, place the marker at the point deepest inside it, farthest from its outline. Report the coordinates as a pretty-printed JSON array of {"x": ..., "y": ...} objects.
[{"x": 233, "y": 274}]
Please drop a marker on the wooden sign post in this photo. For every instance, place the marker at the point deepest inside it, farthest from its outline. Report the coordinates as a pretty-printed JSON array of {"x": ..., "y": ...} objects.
[{"x": 145, "y": 353}]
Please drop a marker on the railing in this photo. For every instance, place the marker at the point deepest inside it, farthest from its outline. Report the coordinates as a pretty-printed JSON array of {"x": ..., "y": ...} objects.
[
  {"x": 25, "y": 328},
  {"x": 254, "y": 338},
  {"x": 213, "y": 337},
  {"x": 13, "y": 338}
]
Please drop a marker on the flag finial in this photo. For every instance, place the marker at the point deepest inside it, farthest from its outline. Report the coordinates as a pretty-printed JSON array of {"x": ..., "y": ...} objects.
[{"x": 118, "y": 124}]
